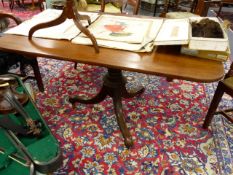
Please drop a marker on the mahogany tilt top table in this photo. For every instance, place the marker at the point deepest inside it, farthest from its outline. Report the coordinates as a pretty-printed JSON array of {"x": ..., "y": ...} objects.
[{"x": 165, "y": 61}]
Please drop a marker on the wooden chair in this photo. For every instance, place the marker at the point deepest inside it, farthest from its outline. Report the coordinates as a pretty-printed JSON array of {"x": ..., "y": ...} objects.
[
  {"x": 198, "y": 8},
  {"x": 224, "y": 86},
  {"x": 109, "y": 6},
  {"x": 24, "y": 60},
  {"x": 168, "y": 4},
  {"x": 221, "y": 3},
  {"x": 21, "y": 4},
  {"x": 120, "y": 5},
  {"x": 135, "y": 4}
]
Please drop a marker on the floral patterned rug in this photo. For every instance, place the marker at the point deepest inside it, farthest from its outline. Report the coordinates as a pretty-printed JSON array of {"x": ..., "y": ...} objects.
[
  {"x": 165, "y": 122},
  {"x": 222, "y": 131}
]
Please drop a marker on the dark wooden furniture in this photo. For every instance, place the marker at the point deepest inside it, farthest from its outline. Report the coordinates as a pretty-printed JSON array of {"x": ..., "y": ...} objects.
[
  {"x": 135, "y": 4},
  {"x": 221, "y": 4},
  {"x": 114, "y": 86},
  {"x": 24, "y": 59},
  {"x": 166, "y": 4},
  {"x": 224, "y": 86},
  {"x": 12, "y": 3},
  {"x": 165, "y": 61},
  {"x": 198, "y": 7}
]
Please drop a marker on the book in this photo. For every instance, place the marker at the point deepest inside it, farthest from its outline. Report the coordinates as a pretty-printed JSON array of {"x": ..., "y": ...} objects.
[
  {"x": 173, "y": 32},
  {"x": 208, "y": 54}
]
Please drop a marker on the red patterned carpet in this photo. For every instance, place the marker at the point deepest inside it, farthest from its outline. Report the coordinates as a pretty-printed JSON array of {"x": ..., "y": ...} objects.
[{"x": 165, "y": 122}]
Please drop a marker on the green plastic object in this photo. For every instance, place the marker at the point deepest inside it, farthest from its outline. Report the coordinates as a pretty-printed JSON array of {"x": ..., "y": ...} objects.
[{"x": 44, "y": 150}]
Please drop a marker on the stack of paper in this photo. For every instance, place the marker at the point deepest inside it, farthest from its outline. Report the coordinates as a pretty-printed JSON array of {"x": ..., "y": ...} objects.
[
  {"x": 209, "y": 54},
  {"x": 66, "y": 30},
  {"x": 121, "y": 32},
  {"x": 173, "y": 32}
]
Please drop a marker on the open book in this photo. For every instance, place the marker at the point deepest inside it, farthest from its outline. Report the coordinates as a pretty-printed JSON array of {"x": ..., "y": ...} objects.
[{"x": 66, "y": 30}]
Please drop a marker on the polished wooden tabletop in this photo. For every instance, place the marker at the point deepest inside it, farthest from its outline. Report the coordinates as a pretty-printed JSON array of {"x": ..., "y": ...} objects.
[{"x": 163, "y": 61}]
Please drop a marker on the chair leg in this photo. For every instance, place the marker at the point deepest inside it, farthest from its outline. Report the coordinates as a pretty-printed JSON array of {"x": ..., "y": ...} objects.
[
  {"x": 214, "y": 104},
  {"x": 40, "y": 2},
  {"x": 18, "y": 2},
  {"x": 22, "y": 68},
  {"x": 220, "y": 9},
  {"x": 169, "y": 79},
  {"x": 11, "y": 4},
  {"x": 2, "y": 3},
  {"x": 155, "y": 9},
  {"x": 75, "y": 65},
  {"x": 37, "y": 74},
  {"x": 23, "y": 5}
]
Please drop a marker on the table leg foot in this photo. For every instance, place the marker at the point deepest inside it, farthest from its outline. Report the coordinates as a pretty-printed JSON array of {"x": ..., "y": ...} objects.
[
  {"x": 98, "y": 98},
  {"x": 121, "y": 120}
]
